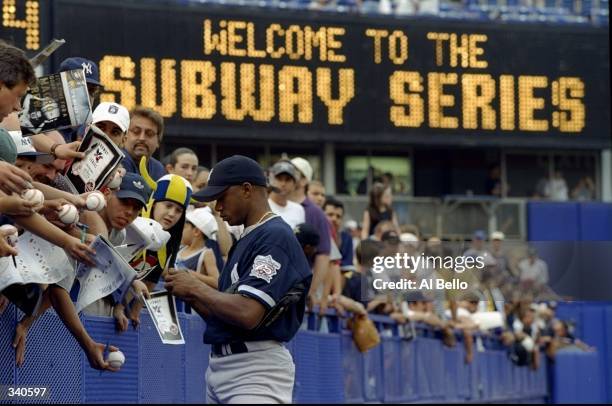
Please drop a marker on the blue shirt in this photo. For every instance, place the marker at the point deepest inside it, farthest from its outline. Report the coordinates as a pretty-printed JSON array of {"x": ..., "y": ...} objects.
[
  {"x": 214, "y": 246},
  {"x": 155, "y": 168},
  {"x": 346, "y": 249},
  {"x": 265, "y": 263}
]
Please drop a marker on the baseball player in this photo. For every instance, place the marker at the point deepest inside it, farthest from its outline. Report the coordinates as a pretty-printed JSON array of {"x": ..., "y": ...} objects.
[{"x": 262, "y": 292}]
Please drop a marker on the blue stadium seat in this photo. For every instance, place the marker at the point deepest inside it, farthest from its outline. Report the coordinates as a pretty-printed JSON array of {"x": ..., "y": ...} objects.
[{"x": 568, "y": 5}]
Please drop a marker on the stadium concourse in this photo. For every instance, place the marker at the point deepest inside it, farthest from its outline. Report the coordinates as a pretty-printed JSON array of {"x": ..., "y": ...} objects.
[{"x": 307, "y": 201}]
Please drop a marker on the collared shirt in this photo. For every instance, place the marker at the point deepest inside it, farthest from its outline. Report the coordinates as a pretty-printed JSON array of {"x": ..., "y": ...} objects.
[
  {"x": 264, "y": 264},
  {"x": 154, "y": 167}
]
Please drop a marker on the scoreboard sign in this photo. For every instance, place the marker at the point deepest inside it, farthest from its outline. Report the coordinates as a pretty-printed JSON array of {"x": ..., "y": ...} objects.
[{"x": 268, "y": 73}]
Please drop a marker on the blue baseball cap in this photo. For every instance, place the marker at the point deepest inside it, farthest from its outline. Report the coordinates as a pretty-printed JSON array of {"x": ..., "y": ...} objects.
[
  {"x": 133, "y": 186},
  {"x": 92, "y": 74},
  {"x": 231, "y": 171},
  {"x": 480, "y": 235}
]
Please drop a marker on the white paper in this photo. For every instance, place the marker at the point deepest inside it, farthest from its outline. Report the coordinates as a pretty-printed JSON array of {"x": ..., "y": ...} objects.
[
  {"x": 111, "y": 275},
  {"x": 162, "y": 309},
  {"x": 39, "y": 261}
]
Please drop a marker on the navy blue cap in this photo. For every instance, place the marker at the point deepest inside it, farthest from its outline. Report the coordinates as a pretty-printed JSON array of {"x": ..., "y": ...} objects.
[
  {"x": 133, "y": 186},
  {"x": 92, "y": 74},
  {"x": 307, "y": 234},
  {"x": 231, "y": 171}
]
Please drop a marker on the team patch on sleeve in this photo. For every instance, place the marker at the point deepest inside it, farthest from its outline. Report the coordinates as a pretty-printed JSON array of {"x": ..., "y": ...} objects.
[{"x": 264, "y": 267}]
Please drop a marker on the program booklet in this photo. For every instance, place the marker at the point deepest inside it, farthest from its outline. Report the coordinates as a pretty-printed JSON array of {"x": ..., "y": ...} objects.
[
  {"x": 38, "y": 262},
  {"x": 162, "y": 309},
  {"x": 102, "y": 157},
  {"x": 111, "y": 275},
  {"x": 55, "y": 102}
]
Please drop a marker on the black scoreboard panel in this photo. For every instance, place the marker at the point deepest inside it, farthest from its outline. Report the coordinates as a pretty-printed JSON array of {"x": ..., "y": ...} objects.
[{"x": 279, "y": 74}]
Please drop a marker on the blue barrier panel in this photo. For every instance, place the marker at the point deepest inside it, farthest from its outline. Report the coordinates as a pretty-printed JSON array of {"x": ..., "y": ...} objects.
[
  {"x": 452, "y": 373},
  {"x": 352, "y": 365},
  {"x": 464, "y": 375},
  {"x": 306, "y": 359},
  {"x": 328, "y": 367},
  {"x": 155, "y": 356},
  {"x": 53, "y": 359},
  {"x": 7, "y": 354},
  {"x": 595, "y": 221},
  {"x": 119, "y": 387},
  {"x": 577, "y": 378},
  {"x": 608, "y": 352},
  {"x": 196, "y": 360},
  {"x": 373, "y": 375},
  {"x": 392, "y": 367},
  {"x": 548, "y": 221},
  {"x": 430, "y": 363},
  {"x": 408, "y": 371},
  {"x": 318, "y": 368},
  {"x": 330, "y": 383}
]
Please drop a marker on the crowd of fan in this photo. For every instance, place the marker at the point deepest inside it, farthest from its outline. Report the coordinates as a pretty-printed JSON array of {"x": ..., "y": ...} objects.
[
  {"x": 340, "y": 254},
  {"x": 553, "y": 11}
]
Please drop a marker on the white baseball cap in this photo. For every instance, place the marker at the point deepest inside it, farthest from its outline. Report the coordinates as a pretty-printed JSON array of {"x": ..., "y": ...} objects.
[
  {"x": 303, "y": 166},
  {"x": 25, "y": 149},
  {"x": 410, "y": 239},
  {"x": 113, "y": 112},
  {"x": 204, "y": 221},
  {"x": 497, "y": 235}
]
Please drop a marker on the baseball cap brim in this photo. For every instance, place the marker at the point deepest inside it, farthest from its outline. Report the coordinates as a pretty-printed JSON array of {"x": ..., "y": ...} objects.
[
  {"x": 128, "y": 194},
  {"x": 209, "y": 193},
  {"x": 39, "y": 157}
]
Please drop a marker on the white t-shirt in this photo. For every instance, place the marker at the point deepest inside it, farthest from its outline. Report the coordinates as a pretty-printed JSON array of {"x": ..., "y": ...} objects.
[
  {"x": 293, "y": 213},
  {"x": 538, "y": 271}
]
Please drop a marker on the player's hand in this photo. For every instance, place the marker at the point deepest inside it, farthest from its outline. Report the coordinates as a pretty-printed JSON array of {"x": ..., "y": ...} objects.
[
  {"x": 15, "y": 205},
  {"x": 181, "y": 283},
  {"x": 79, "y": 251},
  {"x": 5, "y": 248},
  {"x": 121, "y": 320},
  {"x": 95, "y": 356},
  {"x": 13, "y": 179},
  {"x": 19, "y": 342},
  {"x": 69, "y": 151}
]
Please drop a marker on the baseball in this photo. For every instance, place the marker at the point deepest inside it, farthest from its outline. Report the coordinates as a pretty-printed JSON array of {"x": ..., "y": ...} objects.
[
  {"x": 34, "y": 196},
  {"x": 68, "y": 214},
  {"x": 115, "y": 182},
  {"x": 115, "y": 359},
  {"x": 12, "y": 238},
  {"x": 95, "y": 201}
]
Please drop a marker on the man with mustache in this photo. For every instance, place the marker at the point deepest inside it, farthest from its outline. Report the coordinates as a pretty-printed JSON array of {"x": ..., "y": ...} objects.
[
  {"x": 46, "y": 173},
  {"x": 143, "y": 139}
]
